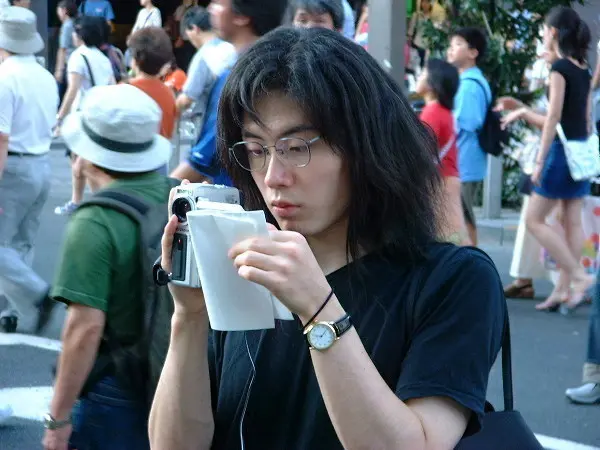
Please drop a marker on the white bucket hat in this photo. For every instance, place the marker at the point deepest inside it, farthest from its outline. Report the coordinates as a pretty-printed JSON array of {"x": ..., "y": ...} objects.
[
  {"x": 18, "y": 31},
  {"x": 117, "y": 129}
]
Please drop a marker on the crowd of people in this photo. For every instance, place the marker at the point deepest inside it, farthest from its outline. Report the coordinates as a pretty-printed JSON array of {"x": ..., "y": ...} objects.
[{"x": 372, "y": 231}]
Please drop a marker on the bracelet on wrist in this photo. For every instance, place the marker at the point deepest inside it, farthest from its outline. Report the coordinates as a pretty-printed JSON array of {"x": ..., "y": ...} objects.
[{"x": 312, "y": 319}]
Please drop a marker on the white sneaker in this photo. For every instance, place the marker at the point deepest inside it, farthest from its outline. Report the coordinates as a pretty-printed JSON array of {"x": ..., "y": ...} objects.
[
  {"x": 6, "y": 413},
  {"x": 587, "y": 394},
  {"x": 66, "y": 210}
]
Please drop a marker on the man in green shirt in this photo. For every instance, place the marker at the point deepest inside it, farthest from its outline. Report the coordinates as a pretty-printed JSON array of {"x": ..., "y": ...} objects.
[{"x": 99, "y": 274}]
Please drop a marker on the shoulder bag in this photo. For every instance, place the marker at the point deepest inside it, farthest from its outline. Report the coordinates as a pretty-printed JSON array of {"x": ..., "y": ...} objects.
[
  {"x": 89, "y": 68},
  {"x": 501, "y": 430},
  {"x": 583, "y": 157}
]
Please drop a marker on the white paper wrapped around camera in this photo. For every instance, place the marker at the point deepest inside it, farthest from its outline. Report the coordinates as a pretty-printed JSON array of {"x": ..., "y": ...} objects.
[{"x": 233, "y": 303}]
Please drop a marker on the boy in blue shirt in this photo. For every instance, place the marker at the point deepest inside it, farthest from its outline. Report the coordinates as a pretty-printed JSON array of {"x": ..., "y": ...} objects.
[
  {"x": 466, "y": 51},
  {"x": 97, "y": 8}
]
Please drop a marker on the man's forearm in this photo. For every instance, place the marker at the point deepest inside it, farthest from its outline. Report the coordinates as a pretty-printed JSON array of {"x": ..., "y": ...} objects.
[
  {"x": 183, "y": 102},
  {"x": 61, "y": 60},
  {"x": 70, "y": 95},
  {"x": 186, "y": 172},
  {"x": 80, "y": 347},
  {"x": 3, "y": 152},
  {"x": 181, "y": 415},
  {"x": 364, "y": 411}
]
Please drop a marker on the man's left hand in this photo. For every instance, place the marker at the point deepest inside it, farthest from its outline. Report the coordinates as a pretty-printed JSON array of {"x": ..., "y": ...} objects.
[
  {"x": 286, "y": 266},
  {"x": 57, "y": 439}
]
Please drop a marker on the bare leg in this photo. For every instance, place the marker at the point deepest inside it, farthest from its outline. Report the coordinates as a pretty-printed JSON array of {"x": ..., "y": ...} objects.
[
  {"x": 572, "y": 210},
  {"x": 78, "y": 180},
  {"x": 538, "y": 210},
  {"x": 562, "y": 289}
]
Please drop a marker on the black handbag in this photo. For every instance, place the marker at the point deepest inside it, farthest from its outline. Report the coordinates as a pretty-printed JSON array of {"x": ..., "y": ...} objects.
[
  {"x": 525, "y": 184},
  {"x": 502, "y": 430}
]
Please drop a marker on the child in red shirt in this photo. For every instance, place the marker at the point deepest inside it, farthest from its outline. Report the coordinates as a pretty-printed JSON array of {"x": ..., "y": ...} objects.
[
  {"x": 174, "y": 77},
  {"x": 438, "y": 84}
]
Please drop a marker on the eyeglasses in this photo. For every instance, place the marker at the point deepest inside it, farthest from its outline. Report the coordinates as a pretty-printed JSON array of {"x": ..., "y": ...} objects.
[{"x": 291, "y": 151}]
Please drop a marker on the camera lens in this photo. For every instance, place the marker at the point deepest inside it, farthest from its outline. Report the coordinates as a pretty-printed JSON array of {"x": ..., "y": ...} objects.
[{"x": 180, "y": 208}]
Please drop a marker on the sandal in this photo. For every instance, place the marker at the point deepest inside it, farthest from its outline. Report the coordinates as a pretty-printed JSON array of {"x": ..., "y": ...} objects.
[
  {"x": 553, "y": 302},
  {"x": 579, "y": 298},
  {"x": 519, "y": 291}
]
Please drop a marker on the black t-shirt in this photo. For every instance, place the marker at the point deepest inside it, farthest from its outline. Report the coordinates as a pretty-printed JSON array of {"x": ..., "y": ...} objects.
[
  {"x": 574, "y": 118},
  {"x": 431, "y": 329}
]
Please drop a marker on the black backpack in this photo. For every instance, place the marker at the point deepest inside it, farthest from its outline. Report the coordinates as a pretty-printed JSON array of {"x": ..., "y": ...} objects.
[
  {"x": 492, "y": 137},
  {"x": 137, "y": 365}
]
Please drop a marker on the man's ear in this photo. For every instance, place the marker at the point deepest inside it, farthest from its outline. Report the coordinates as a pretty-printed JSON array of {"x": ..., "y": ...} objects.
[{"x": 474, "y": 53}]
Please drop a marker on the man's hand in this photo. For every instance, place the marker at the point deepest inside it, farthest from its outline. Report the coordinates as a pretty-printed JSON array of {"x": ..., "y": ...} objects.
[
  {"x": 57, "y": 439},
  {"x": 59, "y": 76},
  {"x": 286, "y": 266},
  {"x": 187, "y": 300}
]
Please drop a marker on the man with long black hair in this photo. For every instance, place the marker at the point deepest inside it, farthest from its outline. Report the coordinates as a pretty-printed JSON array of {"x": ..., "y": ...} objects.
[
  {"x": 396, "y": 333},
  {"x": 241, "y": 23}
]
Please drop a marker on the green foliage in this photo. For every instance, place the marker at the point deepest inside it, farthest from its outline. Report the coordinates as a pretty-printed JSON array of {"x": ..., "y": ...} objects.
[{"x": 513, "y": 28}]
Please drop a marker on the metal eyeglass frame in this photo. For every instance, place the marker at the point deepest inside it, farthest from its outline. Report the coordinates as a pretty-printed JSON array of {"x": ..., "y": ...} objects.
[{"x": 266, "y": 148}]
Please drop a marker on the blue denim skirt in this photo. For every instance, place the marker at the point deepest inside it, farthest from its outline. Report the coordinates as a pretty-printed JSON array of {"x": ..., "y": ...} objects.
[{"x": 556, "y": 181}]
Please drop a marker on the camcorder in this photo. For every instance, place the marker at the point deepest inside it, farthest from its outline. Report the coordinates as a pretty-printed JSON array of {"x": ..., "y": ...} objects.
[{"x": 187, "y": 198}]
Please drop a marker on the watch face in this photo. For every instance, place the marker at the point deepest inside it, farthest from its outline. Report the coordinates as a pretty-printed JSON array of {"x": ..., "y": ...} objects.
[
  {"x": 321, "y": 336},
  {"x": 49, "y": 421}
]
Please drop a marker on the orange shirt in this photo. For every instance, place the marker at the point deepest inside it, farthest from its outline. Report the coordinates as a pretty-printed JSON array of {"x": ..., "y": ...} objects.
[
  {"x": 176, "y": 80},
  {"x": 165, "y": 99}
]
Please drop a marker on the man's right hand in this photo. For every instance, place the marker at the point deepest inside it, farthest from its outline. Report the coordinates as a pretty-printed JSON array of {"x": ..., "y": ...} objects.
[
  {"x": 59, "y": 76},
  {"x": 188, "y": 301}
]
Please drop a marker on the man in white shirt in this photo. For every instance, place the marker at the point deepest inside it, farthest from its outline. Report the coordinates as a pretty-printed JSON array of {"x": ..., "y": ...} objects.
[{"x": 28, "y": 105}]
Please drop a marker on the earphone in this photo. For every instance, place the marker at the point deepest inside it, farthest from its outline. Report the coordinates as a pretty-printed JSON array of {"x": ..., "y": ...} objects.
[{"x": 249, "y": 391}]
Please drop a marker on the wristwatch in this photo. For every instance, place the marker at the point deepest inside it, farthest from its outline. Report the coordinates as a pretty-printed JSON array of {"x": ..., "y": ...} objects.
[
  {"x": 50, "y": 423},
  {"x": 322, "y": 335},
  {"x": 160, "y": 276}
]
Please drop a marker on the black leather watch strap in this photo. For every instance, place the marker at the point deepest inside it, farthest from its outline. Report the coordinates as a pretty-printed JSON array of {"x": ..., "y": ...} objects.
[
  {"x": 161, "y": 276},
  {"x": 342, "y": 325}
]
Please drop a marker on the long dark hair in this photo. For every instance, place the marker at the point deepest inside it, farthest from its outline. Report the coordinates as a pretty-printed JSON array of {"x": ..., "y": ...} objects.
[
  {"x": 573, "y": 33},
  {"x": 443, "y": 79},
  {"x": 361, "y": 112}
]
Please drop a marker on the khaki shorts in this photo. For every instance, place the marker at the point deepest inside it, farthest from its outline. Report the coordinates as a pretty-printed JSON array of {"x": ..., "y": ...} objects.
[{"x": 469, "y": 192}]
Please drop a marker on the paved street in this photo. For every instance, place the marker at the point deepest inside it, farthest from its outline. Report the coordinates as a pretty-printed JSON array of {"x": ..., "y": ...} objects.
[{"x": 548, "y": 351}]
